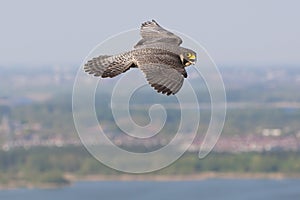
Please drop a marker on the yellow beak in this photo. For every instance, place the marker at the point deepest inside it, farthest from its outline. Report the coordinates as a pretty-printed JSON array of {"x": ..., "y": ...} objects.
[{"x": 192, "y": 57}]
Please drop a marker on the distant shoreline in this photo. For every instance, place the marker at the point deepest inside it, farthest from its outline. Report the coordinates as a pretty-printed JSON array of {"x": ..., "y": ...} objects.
[
  {"x": 182, "y": 177},
  {"x": 150, "y": 177}
]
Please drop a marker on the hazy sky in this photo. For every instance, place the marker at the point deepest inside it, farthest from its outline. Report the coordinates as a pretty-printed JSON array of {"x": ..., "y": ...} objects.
[{"x": 254, "y": 32}]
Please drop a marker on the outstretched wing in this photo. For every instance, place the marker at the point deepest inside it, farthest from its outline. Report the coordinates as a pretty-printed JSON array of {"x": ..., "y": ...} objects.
[
  {"x": 163, "y": 78},
  {"x": 152, "y": 32},
  {"x": 109, "y": 66}
]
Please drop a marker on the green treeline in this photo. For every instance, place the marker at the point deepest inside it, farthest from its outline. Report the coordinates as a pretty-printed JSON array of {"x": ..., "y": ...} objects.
[
  {"x": 49, "y": 165},
  {"x": 267, "y": 162}
]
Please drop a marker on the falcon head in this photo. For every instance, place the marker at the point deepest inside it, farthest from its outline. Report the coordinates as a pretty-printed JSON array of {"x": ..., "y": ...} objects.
[{"x": 188, "y": 58}]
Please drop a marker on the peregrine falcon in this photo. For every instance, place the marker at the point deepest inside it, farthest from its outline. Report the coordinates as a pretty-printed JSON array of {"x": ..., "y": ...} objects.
[{"x": 158, "y": 54}]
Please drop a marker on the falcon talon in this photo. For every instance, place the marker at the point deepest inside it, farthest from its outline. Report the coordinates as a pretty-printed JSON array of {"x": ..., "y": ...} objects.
[{"x": 158, "y": 54}]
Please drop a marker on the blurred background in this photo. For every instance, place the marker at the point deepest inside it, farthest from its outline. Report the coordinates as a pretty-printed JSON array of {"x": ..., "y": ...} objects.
[{"x": 255, "y": 45}]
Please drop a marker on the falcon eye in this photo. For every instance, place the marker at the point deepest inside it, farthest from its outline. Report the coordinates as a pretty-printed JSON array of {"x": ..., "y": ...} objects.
[{"x": 188, "y": 55}]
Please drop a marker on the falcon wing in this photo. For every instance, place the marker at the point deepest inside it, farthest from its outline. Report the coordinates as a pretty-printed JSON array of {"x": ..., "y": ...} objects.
[
  {"x": 152, "y": 32},
  {"x": 163, "y": 78}
]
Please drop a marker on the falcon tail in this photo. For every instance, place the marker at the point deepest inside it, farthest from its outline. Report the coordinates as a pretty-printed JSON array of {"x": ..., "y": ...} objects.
[{"x": 109, "y": 66}]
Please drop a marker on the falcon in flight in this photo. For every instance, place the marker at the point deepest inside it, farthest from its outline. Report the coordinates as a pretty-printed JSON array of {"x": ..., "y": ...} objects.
[{"x": 158, "y": 54}]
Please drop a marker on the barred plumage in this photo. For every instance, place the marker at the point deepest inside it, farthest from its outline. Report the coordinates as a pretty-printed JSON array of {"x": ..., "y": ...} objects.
[{"x": 109, "y": 66}]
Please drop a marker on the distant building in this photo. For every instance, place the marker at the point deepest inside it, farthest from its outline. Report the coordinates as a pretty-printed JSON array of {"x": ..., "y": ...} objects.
[
  {"x": 5, "y": 126},
  {"x": 271, "y": 132}
]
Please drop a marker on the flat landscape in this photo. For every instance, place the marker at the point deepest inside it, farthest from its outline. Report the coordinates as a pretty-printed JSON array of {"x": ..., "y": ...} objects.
[{"x": 40, "y": 145}]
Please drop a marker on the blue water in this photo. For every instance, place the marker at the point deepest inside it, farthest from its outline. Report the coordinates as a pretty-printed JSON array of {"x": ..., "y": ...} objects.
[{"x": 147, "y": 190}]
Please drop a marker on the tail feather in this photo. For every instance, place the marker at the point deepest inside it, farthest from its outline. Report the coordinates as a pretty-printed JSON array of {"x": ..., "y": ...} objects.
[{"x": 109, "y": 66}]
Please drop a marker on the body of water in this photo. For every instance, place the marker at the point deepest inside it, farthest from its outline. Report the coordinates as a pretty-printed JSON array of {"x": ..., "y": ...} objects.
[{"x": 212, "y": 189}]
